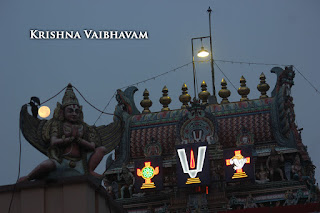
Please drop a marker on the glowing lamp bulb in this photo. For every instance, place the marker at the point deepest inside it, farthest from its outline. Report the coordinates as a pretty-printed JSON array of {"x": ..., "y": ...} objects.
[
  {"x": 203, "y": 53},
  {"x": 44, "y": 111}
]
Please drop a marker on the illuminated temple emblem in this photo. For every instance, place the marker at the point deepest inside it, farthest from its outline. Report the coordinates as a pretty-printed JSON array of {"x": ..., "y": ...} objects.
[
  {"x": 238, "y": 161},
  {"x": 147, "y": 173},
  {"x": 192, "y": 170}
]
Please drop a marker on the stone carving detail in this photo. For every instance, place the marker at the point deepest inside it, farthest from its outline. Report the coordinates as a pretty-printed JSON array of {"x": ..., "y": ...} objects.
[
  {"x": 273, "y": 163},
  {"x": 153, "y": 149},
  {"x": 197, "y": 126},
  {"x": 250, "y": 203},
  {"x": 73, "y": 147},
  {"x": 296, "y": 168},
  {"x": 126, "y": 180},
  {"x": 283, "y": 115},
  {"x": 290, "y": 199},
  {"x": 262, "y": 175},
  {"x": 197, "y": 203},
  {"x": 245, "y": 138},
  {"x": 112, "y": 188},
  {"x": 125, "y": 109},
  {"x": 233, "y": 202}
]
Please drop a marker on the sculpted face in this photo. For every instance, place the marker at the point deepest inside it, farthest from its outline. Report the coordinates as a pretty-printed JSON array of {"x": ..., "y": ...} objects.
[{"x": 72, "y": 113}]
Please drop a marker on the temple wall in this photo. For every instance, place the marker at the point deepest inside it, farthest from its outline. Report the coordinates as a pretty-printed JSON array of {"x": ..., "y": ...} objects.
[{"x": 75, "y": 194}]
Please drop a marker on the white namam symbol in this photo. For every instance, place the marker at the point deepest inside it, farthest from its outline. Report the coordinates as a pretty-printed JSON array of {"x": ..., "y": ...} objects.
[
  {"x": 197, "y": 134},
  {"x": 192, "y": 171}
]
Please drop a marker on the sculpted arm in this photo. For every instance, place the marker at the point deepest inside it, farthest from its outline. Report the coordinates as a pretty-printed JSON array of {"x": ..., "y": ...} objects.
[
  {"x": 64, "y": 141},
  {"x": 88, "y": 145},
  {"x": 58, "y": 141},
  {"x": 55, "y": 141}
]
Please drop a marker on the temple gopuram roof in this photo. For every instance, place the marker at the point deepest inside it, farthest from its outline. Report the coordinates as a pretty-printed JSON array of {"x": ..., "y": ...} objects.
[
  {"x": 260, "y": 132},
  {"x": 254, "y": 115}
]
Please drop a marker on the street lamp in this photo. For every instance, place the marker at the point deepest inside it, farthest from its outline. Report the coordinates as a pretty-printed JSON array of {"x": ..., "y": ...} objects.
[{"x": 204, "y": 53}]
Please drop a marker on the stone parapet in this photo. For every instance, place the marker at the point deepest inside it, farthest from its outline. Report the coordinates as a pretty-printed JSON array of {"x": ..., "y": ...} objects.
[{"x": 82, "y": 194}]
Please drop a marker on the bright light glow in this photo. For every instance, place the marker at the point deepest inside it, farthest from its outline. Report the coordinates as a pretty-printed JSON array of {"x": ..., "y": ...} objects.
[
  {"x": 203, "y": 53},
  {"x": 192, "y": 161},
  {"x": 44, "y": 111},
  {"x": 228, "y": 162},
  {"x": 147, "y": 173},
  {"x": 238, "y": 161},
  {"x": 248, "y": 159},
  {"x": 184, "y": 162}
]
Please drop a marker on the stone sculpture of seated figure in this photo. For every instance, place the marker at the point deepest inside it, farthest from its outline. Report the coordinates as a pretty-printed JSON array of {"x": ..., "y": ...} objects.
[
  {"x": 71, "y": 142},
  {"x": 127, "y": 179},
  {"x": 262, "y": 175}
]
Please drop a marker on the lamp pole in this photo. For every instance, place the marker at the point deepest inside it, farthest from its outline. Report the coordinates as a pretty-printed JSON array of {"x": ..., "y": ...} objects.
[
  {"x": 194, "y": 71},
  {"x": 213, "y": 97}
]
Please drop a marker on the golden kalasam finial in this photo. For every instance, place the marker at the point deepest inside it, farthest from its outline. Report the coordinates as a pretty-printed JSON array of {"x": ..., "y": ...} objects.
[
  {"x": 146, "y": 102},
  {"x": 165, "y": 100},
  {"x": 204, "y": 94},
  {"x": 243, "y": 89},
  {"x": 263, "y": 87},
  {"x": 224, "y": 93},
  {"x": 185, "y": 97}
]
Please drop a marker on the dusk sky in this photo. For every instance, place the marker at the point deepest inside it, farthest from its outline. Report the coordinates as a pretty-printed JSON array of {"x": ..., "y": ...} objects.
[{"x": 273, "y": 32}]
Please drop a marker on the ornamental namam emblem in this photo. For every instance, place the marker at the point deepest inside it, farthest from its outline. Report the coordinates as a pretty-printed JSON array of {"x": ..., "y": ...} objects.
[
  {"x": 195, "y": 131},
  {"x": 197, "y": 126},
  {"x": 191, "y": 164}
]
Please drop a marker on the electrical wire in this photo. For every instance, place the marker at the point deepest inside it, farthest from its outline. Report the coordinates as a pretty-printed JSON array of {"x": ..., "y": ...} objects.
[
  {"x": 53, "y": 96},
  {"x": 153, "y": 78},
  {"x": 19, "y": 169},
  {"x": 307, "y": 80},
  {"x": 91, "y": 104},
  {"x": 265, "y": 64},
  {"x": 255, "y": 63},
  {"x": 225, "y": 76},
  {"x": 105, "y": 108},
  {"x": 137, "y": 83},
  {"x": 173, "y": 70}
]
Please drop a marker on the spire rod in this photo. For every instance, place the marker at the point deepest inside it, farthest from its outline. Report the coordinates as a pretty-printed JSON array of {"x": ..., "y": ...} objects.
[{"x": 213, "y": 97}]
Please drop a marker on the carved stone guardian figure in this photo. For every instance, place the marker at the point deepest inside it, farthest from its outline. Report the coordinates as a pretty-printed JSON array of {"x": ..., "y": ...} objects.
[
  {"x": 73, "y": 147},
  {"x": 127, "y": 179},
  {"x": 274, "y": 163}
]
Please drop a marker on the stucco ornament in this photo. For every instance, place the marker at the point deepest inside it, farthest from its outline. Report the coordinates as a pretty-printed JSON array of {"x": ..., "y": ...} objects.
[
  {"x": 282, "y": 111},
  {"x": 197, "y": 126},
  {"x": 73, "y": 147}
]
